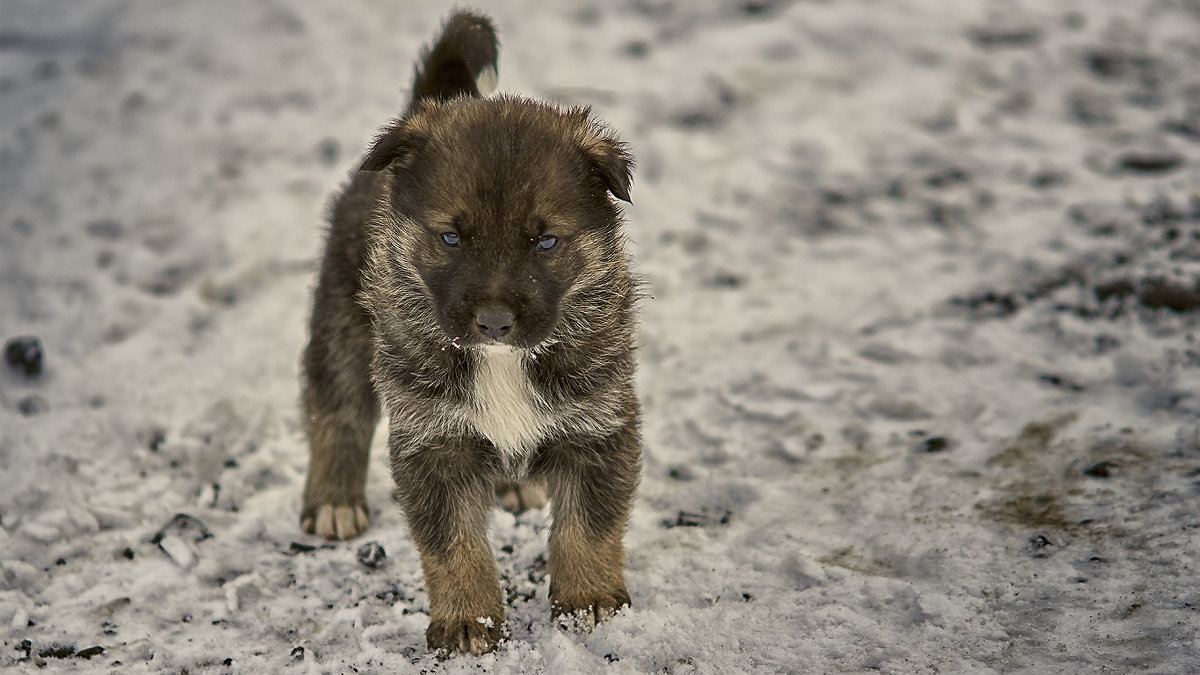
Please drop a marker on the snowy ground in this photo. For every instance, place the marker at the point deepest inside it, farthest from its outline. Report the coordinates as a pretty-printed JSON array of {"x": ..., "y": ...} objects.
[{"x": 919, "y": 370}]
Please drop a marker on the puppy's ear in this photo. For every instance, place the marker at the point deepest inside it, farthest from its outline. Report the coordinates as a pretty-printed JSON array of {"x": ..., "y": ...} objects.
[
  {"x": 398, "y": 141},
  {"x": 609, "y": 157}
]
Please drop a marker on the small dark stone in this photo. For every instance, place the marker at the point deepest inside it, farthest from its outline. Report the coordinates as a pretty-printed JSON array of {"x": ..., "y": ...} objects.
[
  {"x": 57, "y": 652},
  {"x": 1105, "y": 63},
  {"x": 227, "y": 662},
  {"x": 1060, "y": 382},
  {"x": 1163, "y": 294},
  {"x": 127, "y": 553},
  {"x": 1149, "y": 162},
  {"x": 703, "y": 519},
  {"x": 1039, "y": 541},
  {"x": 298, "y": 653},
  {"x": 682, "y": 473},
  {"x": 989, "y": 304},
  {"x": 1118, "y": 288},
  {"x": 297, "y": 548},
  {"x": 934, "y": 444},
  {"x": 24, "y": 353},
  {"x": 157, "y": 438},
  {"x": 33, "y": 405},
  {"x": 1100, "y": 469},
  {"x": 25, "y": 646},
  {"x": 747, "y": 597},
  {"x": 371, "y": 555},
  {"x": 185, "y": 526},
  {"x": 89, "y": 652},
  {"x": 611, "y": 658}
]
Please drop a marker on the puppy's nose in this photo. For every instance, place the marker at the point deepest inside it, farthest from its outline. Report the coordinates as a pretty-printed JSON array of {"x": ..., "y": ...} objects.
[{"x": 494, "y": 323}]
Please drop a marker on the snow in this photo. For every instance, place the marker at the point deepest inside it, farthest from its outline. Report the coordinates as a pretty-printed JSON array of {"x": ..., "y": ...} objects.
[{"x": 919, "y": 364}]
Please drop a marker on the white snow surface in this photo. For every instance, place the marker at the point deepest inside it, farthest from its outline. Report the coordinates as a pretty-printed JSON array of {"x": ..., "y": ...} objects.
[{"x": 919, "y": 364}]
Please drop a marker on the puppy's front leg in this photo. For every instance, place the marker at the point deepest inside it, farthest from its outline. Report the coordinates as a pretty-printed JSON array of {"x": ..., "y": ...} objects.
[
  {"x": 592, "y": 483},
  {"x": 446, "y": 491}
]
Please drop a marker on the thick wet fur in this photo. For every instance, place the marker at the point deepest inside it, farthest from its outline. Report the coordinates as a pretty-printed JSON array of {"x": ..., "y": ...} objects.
[{"x": 476, "y": 287}]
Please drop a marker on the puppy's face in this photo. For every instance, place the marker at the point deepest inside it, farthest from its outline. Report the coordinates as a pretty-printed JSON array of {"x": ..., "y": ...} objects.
[{"x": 506, "y": 210}]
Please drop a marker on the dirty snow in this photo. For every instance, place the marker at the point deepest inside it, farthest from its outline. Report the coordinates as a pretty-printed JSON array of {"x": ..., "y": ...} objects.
[{"x": 919, "y": 366}]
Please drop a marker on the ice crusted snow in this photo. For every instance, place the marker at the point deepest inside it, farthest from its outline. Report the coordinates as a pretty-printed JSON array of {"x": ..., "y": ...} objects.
[{"x": 919, "y": 369}]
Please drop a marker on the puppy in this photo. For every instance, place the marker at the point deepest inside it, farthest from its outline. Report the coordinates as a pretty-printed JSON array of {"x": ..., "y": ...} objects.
[{"x": 475, "y": 286}]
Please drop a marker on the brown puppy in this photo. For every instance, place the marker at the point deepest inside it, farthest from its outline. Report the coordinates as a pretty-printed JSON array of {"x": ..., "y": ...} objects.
[{"x": 475, "y": 273}]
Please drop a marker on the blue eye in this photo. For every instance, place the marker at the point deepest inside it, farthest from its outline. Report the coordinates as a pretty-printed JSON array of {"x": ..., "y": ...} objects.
[
  {"x": 547, "y": 242},
  {"x": 451, "y": 239}
]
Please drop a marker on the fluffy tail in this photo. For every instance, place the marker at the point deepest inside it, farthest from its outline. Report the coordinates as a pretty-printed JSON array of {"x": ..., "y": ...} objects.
[{"x": 461, "y": 62}]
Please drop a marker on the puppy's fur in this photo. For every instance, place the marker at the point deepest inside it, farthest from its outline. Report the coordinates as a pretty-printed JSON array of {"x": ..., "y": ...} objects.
[{"x": 475, "y": 284}]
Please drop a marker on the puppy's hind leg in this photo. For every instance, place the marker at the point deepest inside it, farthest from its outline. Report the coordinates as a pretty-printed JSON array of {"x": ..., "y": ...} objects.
[{"x": 341, "y": 411}]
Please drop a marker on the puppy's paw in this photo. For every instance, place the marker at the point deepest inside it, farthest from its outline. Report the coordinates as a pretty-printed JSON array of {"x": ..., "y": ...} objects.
[
  {"x": 517, "y": 496},
  {"x": 471, "y": 636},
  {"x": 335, "y": 522},
  {"x": 584, "y": 614}
]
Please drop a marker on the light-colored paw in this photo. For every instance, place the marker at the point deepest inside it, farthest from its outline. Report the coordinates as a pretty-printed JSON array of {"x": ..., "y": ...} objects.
[
  {"x": 518, "y": 496},
  {"x": 584, "y": 614},
  {"x": 471, "y": 636},
  {"x": 337, "y": 522}
]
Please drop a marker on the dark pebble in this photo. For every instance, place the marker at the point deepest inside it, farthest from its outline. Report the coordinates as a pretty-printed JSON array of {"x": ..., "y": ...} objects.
[
  {"x": 1040, "y": 545},
  {"x": 25, "y": 354},
  {"x": 185, "y": 526},
  {"x": 703, "y": 519},
  {"x": 296, "y": 548},
  {"x": 298, "y": 653},
  {"x": 157, "y": 438},
  {"x": 934, "y": 444},
  {"x": 1163, "y": 294},
  {"x": 1060, "y": 382},
  {"x": 1100, "y": 469},
  {"x": 33, "y": 405},
  {"x": 371, "y": 555},
  {"x": 89, "y": 652},
  {"x": 1149, "y": 162},
  {"x": 57, "y": 652},
  {"x": 681, "y": 473}
]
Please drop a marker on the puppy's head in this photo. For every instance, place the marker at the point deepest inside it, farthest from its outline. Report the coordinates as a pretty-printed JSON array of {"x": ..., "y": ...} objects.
[{"x": 500, "y": 210}]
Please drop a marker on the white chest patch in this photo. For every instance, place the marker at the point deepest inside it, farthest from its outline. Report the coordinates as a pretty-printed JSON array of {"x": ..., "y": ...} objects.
[{"x": 506, "y": 410}]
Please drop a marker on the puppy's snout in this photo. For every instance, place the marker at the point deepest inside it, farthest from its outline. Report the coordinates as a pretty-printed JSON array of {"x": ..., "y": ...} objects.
[{"x": 494, "y": 322}]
